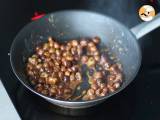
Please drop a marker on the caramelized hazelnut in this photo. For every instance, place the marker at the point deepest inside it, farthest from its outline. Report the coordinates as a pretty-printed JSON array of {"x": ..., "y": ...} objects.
[
  {"x": 83, "y": 43},
  {"x": 52, "y": 80},
  {"x": 74, "y": 43},
  {"x": 78, "y": 76},
  {"x": 96, "y": 40},
  {"x": 91, "y": 44},
  {"x": 56, "y": 45},
  {"x": 84, "y": 59},
  {"x": 98, "y": 75},
  {"x": 91, "y": 62}
]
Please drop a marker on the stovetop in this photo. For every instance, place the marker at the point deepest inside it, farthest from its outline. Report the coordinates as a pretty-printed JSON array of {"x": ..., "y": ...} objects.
[{"x": 139, "y": 101}]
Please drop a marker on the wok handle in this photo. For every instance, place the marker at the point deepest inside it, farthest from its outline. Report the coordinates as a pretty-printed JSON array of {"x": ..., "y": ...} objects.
[{"x": 146, "y": 27}]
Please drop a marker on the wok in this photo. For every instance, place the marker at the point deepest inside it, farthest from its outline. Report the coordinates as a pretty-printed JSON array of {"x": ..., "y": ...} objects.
[{"x": 75, "y": 24}]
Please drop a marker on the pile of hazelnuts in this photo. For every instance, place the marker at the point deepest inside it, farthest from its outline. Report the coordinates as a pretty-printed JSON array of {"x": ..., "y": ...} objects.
[{"x": 56, "y": 69}]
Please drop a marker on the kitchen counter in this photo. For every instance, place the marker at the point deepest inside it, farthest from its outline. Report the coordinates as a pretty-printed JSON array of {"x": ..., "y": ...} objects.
[{"x": 7, "y": 110}]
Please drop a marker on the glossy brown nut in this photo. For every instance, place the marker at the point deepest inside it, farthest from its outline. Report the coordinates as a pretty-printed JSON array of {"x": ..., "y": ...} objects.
[
  {"x": 98, "y": 92},
  {"x": 98, "y": 75},
  {"x": 46, "y": 86},
  {"x": 76, "y": 57},
  {"x": 69, "y": 43},
  {"x": 50, "y": 42},
  {"x": 96, "y": 40},
  {"x": 53, "y": 90},
  {"x": 39, "y": 66},
  {"x": 78, "y": 76},
  {"x": 60, "y": 92},
  {"x": 115, "y": 68},
  {"x": 49, "y": 70},
  {"x": 72, "y": 77},
  {"x": 68, "y": 48},
  {"x": 97, "y": 57},
  {"x": 30, "y": 72},
  {"x": 79, "y": 50},
  {"x": 67, "y": 73},
  {"x": 67, "y": 63},
  {"x": 29, "y": 66},
  {"x": 33, "y": 82},
  {"x": 83, "y": 43},
  {"x": 58, "y": 58},
  {"x": 45, "y": 65},
  {"x": 58, "y": 52},
  {"x": 44, "y": 92},
  {"x": 44, "y": 75},
  {"x": 40, "y": 52},
  {"x": 111, "y": 77},
  {"x": 67, "y": 91},
  {"x": 93, "y": 49},
  {"x": 74, "y": 43},
  {"x": 110, "y": 88},
  {"x": 47, "y": 59},
  {"x": 116, "y": 85},
  {"x": 91, "y": 44},
  {"x": 92, "y": 97},
  {"x": 84, "y": 59},
  {"x": 63, "y": 68},
  {"x": 91, "y": 62},
  {"x": 103, "y": 94},
  {"x": 46, "y": 54},
  {"x": 105, "y": 89},
  {"x": 32, "y": 60},
  {"x": 34, "y": 56},
  {"x": 69, "y": 69},
  {"x": 45, "y": 46},
  {"x": 52, "y": 80},
  {"x": 69, "y": 58},
  {"x": 56, "y": 45},
  {"x": 73, "y": 51},
  {"x": 50, "y": 39},
  {"x": 74, "y": 68},
  {"x": 56, "y": 68},
  {"x": 64, "y": 54},
  {"x": 106, "y": 65},
  {"x": 39, "y": 60},
  {"x": 41, "y": 70},
  {"x": 99, "y": 81},
  {"x": 39, "y": 87},
  {"x": 50, "y": 63},
  {"x": 94, "y": 86},
  {"x": 60, "y": 75},
  {"x": 62, "y": 47},
  {"x": 102, "y": 86},
  {"x": 53, "y": 56},
  {"x": 90, "y": 92},
  {"x": 118, "y": 77},
  {"x": 85, "y": 97}
]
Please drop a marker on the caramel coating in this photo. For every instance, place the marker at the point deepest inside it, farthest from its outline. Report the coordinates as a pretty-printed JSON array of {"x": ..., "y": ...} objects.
[{"x": 57, "y": 69}]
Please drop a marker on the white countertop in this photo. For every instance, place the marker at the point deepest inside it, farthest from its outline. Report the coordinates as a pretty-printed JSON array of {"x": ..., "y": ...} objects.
[{"x": 7, "y": 110}]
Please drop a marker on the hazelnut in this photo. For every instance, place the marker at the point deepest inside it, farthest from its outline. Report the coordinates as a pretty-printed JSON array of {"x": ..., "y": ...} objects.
[
  {"x": 96, "y": 40},
  {"x": 83, "y": 43},
  {"x": 74, "y": 43}
]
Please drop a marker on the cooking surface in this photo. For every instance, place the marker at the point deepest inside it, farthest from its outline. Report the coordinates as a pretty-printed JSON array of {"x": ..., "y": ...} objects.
[{"x": 139, "y": 101}]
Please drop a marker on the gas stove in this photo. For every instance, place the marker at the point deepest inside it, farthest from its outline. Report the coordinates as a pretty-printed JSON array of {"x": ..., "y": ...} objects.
[{"x": 139, "y": 101}]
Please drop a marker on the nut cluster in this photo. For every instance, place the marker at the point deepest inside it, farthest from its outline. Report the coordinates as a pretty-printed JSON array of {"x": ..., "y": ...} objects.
[{"x": 55, "y": 69}]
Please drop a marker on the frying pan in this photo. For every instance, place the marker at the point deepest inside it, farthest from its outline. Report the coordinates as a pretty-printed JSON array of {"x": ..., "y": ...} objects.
[{"x": 75, "y": 24}]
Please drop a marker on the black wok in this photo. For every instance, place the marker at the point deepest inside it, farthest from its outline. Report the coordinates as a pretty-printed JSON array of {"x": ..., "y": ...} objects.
[{"x": 76, "y": 24}]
